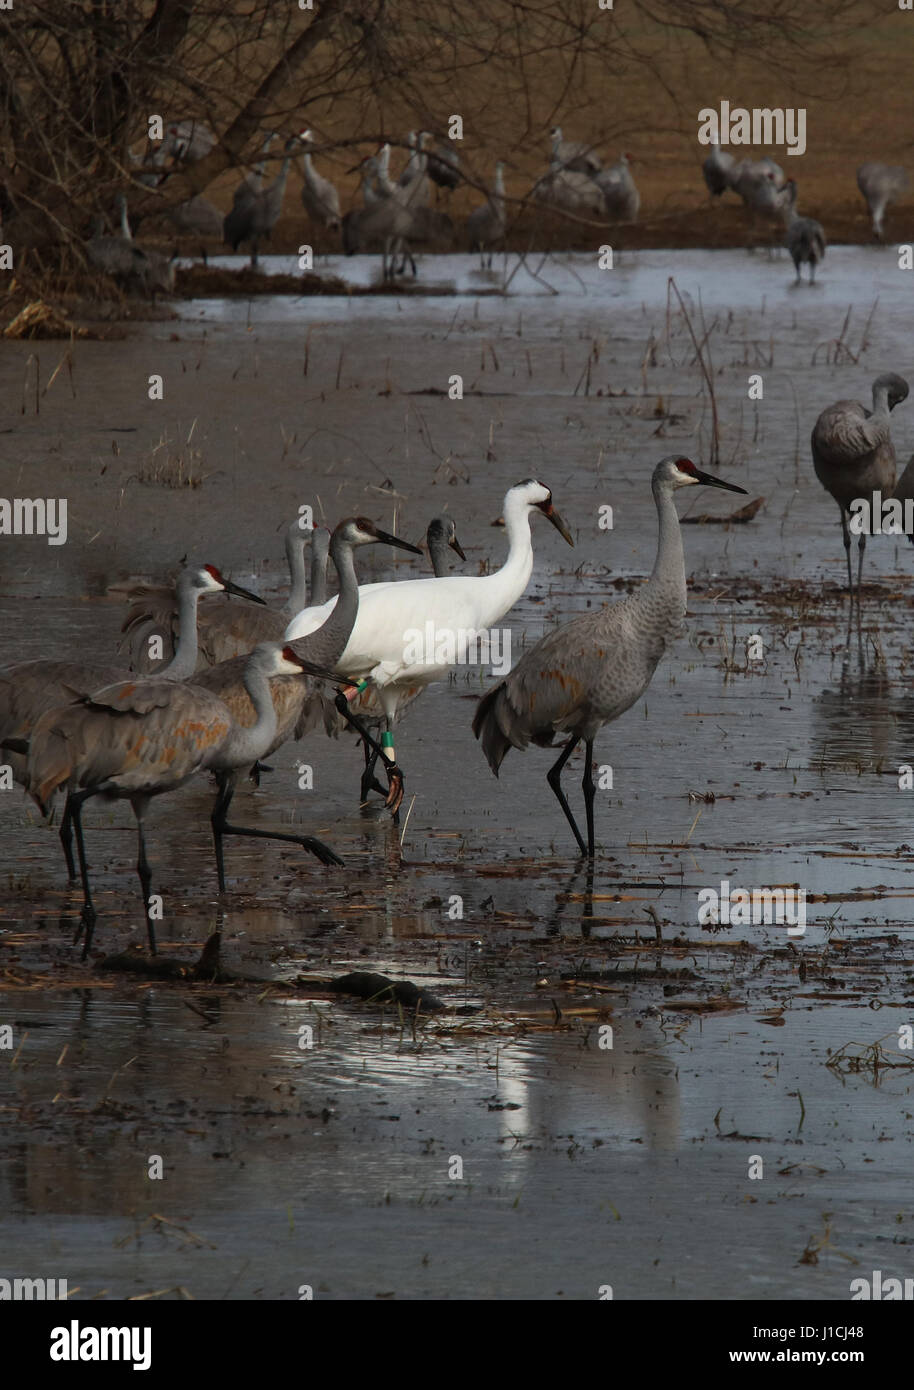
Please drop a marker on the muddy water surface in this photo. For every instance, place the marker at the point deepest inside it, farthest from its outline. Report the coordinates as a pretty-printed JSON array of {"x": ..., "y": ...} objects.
[{"x": 338, "y": 1165}]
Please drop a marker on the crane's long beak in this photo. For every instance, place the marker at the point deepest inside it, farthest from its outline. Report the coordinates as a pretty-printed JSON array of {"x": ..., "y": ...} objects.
[
  {"x": 455, "y": 545},
  {"x": 231, "y": 588},
  {"x": 395, "y": 540},
  {"x": 709, "y": 481},
  {"x": 557, "y": 522}
]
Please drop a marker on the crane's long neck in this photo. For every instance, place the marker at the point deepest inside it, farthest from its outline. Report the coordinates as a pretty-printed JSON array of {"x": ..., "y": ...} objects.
[
  {"x": 498, "y": 190},
  {"x": 514, "y": 575},
  {"x": 249, "y": 744},
  {"x": 336, "y": 631},
  {"x": 184, "y": 663},
  {"x": 319, "y": 556},
  {"x": 295, "y": 554},
  {"x": 665, "y": 591},
  {"x": 280, "y": 182},
  {"x": 260, "y": 166},
  {"x": 437, "y": 553},
  {"x": 881, "y": 405}
]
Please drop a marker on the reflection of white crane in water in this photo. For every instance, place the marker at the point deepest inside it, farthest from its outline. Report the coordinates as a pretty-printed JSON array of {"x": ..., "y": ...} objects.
[
  {"x": 853, "y": 455},
  {"x": 589, "y": 671}
]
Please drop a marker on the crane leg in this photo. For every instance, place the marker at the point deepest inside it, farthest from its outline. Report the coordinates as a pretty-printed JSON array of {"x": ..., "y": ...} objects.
[
  {"x": 590, "y": 792},
  {"x": 145, "y": 875},
  {"x": 369, "y": 782},
  {"x": 222, "y": 827},
  {"x": 847, "y": 551},
  {"x": 88, "y": 915},
  {"x": 554, "y": 778},
  {"x": 66, "y": 838},
  {"x": 861, "y": 546},
  {"x": 394, "y": 792}
]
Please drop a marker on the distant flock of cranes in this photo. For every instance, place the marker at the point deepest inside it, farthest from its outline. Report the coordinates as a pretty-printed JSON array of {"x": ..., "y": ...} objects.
[{"x": 396, "y": 216}]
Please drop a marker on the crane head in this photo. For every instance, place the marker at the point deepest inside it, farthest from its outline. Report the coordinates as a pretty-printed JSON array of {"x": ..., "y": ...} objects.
[
  {"x": 444, "y": 527},
  {"x": 535, "y": 494},
  {"x": 681, "y": 472},
  {"x": 209, "y": 580},
  {"x": 895, "y": 387},
  {"x": 359, "y": 530}
]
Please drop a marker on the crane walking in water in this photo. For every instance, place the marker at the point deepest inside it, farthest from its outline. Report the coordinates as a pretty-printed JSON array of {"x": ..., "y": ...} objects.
[
  {"x": 137, "y": 739},
  {"x": 590, "y": 671},
  {"x": 389, "y": 642},
  {"x": 440, "y": 537},
  {"x": 805, "y": 236},
  {"x": 31, "y": 688},
  {"x": 853, "y": 455}
]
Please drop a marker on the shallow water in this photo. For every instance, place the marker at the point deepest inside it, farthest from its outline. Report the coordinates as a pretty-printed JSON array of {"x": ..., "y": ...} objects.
[{"x": 330, "y": 1165}]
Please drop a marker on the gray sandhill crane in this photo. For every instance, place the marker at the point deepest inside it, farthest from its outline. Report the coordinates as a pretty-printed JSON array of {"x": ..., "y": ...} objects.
[
  {"x": 486, "y": 225},
  {"x": 880, "y": 184},
  {"x": 748, "y": 171},
  {"x": 385, "y": 220},
  {"x": 224, "y": 629},
  {"x": 417, "y": 162},
  {"x": 389, "y": 643},
  {"x": 141, "y": 738},
  {"x": 805, "y": 239},
  {"x": 197, "y": 217},
  {"x": 31, "y": 688},
  {"x": 590, "y": 671},
  {"x": 440, "y": 537},
  {"x": 577, "y": 158},
  {"x": 252, "y": 183},
  {"x": 570, "y": 191},
  {"x": 130, "y": 264},
  {"x": 297, "y": 705},
  {"x": 718, "y": 170},
  {"x": 853, "y": 455},
  {"x": 320, "y": 198},
  {"x": 184, "y": 142},
  {"x": 444, "y": 166},
  {"x": 760, "y": 185},
  {"x": 620, "y": 193},
  {"x": 375, "y": 176},
  {"x": 256, "y": 214},
  {"x": 135, "y": 740}
]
